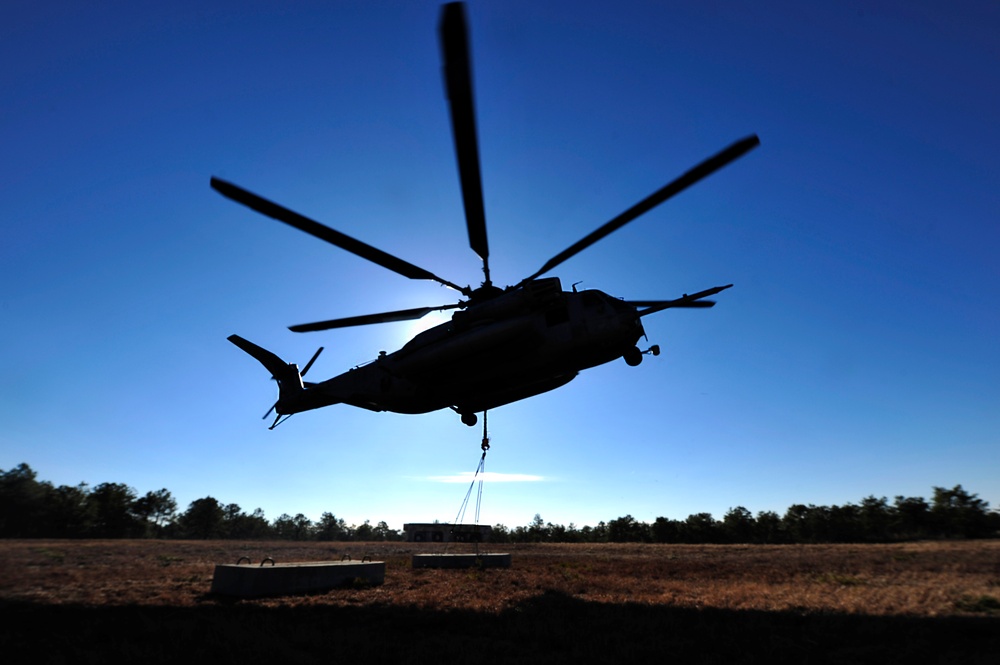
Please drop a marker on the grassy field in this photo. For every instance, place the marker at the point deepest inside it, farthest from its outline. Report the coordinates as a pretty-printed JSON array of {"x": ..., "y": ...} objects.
[{"x": 148, "y": 601}]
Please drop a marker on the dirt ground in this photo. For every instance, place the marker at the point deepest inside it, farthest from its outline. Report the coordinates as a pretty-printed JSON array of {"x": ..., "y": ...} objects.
[
  {"x": 915, "y": 579},
  {"x": 113, "y": 600}
]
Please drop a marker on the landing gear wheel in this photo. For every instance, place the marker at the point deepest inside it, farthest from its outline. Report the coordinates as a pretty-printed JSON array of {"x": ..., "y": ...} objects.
[
  {"x": 633, "y": 356},
  {"x": 470, "y": 419}
]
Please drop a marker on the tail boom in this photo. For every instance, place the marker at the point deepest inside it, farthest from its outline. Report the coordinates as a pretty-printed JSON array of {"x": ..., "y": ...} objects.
[{"x": 290, "y": 386}]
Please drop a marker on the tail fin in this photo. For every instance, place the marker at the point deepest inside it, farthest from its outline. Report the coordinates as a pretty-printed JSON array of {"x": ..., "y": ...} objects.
[{"x": 286, "y": 374}]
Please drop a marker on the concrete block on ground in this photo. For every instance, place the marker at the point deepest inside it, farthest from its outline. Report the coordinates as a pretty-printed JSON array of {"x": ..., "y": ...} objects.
[
  {"x": 461, "y": 561},
  {"x": 293, "y": 578}
]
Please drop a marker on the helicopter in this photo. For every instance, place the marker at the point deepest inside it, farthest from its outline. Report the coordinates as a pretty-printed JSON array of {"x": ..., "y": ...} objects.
[{"x": 502, "y": 344}]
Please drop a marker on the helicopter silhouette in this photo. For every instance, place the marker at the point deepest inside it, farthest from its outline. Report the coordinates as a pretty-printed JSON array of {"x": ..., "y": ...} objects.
[{"x": 503, "y": 344}]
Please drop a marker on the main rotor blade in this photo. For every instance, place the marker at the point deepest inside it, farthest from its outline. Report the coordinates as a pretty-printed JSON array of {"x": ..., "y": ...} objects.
[
  {"x": 314, "y": 228},
  {"x": 670, "y": 303},
  {"x": 384, "y": 317},
  {"x": 458, "y": 87},
  {"x": 699, "y": 172},
  {"x": 693, "y": 300}
]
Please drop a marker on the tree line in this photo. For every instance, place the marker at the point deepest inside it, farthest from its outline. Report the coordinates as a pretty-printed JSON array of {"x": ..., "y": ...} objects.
[{"x": 30, "y": 508}]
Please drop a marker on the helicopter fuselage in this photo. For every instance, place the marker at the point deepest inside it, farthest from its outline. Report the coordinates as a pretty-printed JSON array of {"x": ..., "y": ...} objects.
[{"x": 511, "y": 347}]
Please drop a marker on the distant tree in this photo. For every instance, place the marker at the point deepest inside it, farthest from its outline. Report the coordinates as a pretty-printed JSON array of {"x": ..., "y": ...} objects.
[
  {"x": 570, "y": 534},
  {"x": 796, "y": 523},
  {"x": 912, "y": 517},
  {"x": 68, "y": 513},
  {"x": 536, "y": 530},
  {"x": 231, "y": 512},
  {"x": 256, "y": 525},
  {"x": 599, "y": 534},
  {"x": 156, "y": 509},
  {"x": 845, "y": 524},
  {"x": 665, "y": 530},
  {"x": 204, "y": 519},
  {"x": 955, "y": 512},
  {"x": 500, "y": 534},
  {"x": 349, "y": 533},
  {"x": 364, "y": 532},
  {"x": 22, "y": 502},
  {"x": 284, "y": 527},
  {"x": 738, "y": 525},
  {"x": 876, "y": 519},
  {"x": 701, "y": 528},
  {"x": 768, "y": 527},
  {"x": 382, "y": 532},
  {"x": 113, "y": 508},
  {"x": 233, "y": 520},
  {"x": 819, "y": 524},
  {"x": 303, "y": 526},
  {"x": 287, "y": 527},
  {"x": 619, "y": 528},
  {"x": 628, "y": 530},
  {"x": 330, "y": 527},
  {"x": 239, "y": 525},
  {"x": 556, "y": 532},
  {"x": 993, "y": 523}
]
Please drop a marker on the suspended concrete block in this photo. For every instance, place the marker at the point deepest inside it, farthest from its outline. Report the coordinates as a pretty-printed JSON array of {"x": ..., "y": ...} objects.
[
  {"x": 461, "y": 561},
  {"x": 437, "y": 532},
  {"x": 294, "y": 578}
]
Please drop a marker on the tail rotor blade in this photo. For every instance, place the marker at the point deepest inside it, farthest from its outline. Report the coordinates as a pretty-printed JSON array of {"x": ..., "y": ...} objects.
[{"x": 311, "y": 361}]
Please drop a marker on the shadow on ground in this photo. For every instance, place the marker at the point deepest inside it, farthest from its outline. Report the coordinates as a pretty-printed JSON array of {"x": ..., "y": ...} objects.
[{"x": 546, "y": 629}]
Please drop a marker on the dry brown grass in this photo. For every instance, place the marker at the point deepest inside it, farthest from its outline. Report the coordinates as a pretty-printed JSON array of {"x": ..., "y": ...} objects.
[
  {"x": 930, "y": 579},
  {"x": 145, "y": 601}
]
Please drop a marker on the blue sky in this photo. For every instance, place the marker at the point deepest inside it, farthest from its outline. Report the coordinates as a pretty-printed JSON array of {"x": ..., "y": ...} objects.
[{"x": 857, "y": 353}]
